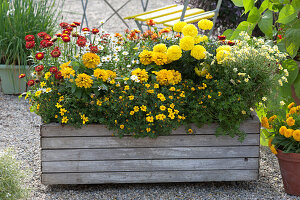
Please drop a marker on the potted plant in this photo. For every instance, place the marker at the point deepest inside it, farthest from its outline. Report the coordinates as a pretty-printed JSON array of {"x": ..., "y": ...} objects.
[
  {"x": 20, "y": 18},
  {"x": 147, "y": 85},
  {"x": 284, "y": 132}
]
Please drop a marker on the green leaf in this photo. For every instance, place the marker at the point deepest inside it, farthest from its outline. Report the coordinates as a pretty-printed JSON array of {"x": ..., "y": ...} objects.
[
  {"x": 238, "y": 3},
  {"x": 297, "y": 86},
  {"x": 78, "y": 93},
  {"x": 292, "y": 39},
  {"x": 265, "y": 4},
  {"x": 296, "y": 5},
  {"x": 281, "y": 46},
  {"x": 264, "y": 137},
  {"x": 248, "y": 5},
  {"x": 285, "y": 91},
  {"x": 287, "y": 14},
  {"x": 266, "y": 23},
  {"x": 228, "y": 33},
  {"x": 243, "y": 26},
  {"x": 292, "y": 68},
  {"x": 253, "y": 16}
]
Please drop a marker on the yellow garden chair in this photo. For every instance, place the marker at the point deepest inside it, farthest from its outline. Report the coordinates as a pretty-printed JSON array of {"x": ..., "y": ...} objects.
[{"x": 171, "y": 14}]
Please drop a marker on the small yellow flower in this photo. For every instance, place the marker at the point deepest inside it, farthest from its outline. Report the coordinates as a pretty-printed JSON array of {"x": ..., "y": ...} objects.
[
  {"x": 126, "y": 87},
  {"x": 56, "y": 116},
  {"x": 172, "y": 89},
  {"x": 156, "y": 85},
  {"x": 162, "y": 107},
  {"x": 172, "y": 105},
  {"x": 190, "y": 131},
  {"x": 131, "y": 97},
  {"x": 42, "y": 84},
  {"x": 62, "y": 111},
  {"x": 243, "y": 112},
  {"x": 150, "y": 91},
  {"x": 144, "y": 108},
  {"x": 148, "y": 130},
  {"x": 131, "y": 113},
  {"x": 149, "y": 119},
  {"x": 147, "y": 85},
  {"x": 38, "y": 93},
  {"x": 136, "y": 108},
  {"x": 58, "y": 105},
  {"x": 121, "y": 126},
  {"x": 64, "y": 119}
]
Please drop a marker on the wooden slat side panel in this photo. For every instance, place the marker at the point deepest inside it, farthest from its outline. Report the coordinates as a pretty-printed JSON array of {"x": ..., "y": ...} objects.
[
  {"x": 150, "y": 153},
  {"x": 149, "y": 165},
  {"x": 149, "y": 177},
  {"x": 53, "y": 129},
  {"x": 162, "y": 141}
]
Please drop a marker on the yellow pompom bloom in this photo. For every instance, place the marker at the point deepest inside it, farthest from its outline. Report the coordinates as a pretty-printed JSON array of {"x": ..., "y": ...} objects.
[
  {"x": 265, "y": 123},
  {"x": 174, "y": 52},
  {"x": 200, "y": 38},
  {"x": 159, "y": 58},
  {"x": 187, "y": 43},
  {"x": 66, "y": 72},
  {"x": 222, "y": 55},
  {"x": 84, "y": 80},
  {"x": 205, "y": 24},
  {"x": 142, "y": 74},
  {"x": 178, "y": 26},
  {"x": 293, "y": 110},
  {"x": 90, "y": 60},
  {"x": 290, "y": 121},
  {"x": 190, "y": 30},
  {"x": 168, "y": 77},
  {"x": 296, "y": 135},
  {"x": 64, "y": 65},
  {"x": 282, "y": 130},
  {"x": 198, "y": 52},
  {"x": 223, "y": 47},
  {"x": 101, "y": 74},
  {"x": 160, "y": 48},
  {"x": 288, "y": 133},
  {"x": 146, "y": 57}
]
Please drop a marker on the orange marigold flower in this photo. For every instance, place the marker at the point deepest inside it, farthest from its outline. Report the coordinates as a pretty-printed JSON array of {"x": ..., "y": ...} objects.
[
  {"x": 290, "y": 121},
  {"x": 150, "y": 22}
]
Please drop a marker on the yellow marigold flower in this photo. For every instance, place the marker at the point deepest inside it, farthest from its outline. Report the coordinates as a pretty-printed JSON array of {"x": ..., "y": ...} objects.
[
  {"x": 288, "y": 133},
  {"x": 146, "y": 57},
  {"x": 64, "y": 120},
  {"x": 178, "y": 26},
  {"x": 142, "y": 74},
  {"x": 159, "y": 58},
  {"x": 187, "y": 43},
  {"x": 291, "y": 105},
  {"x": 272, "y": 118},
  {"x": 223, "y": 47},
  {"x": 296, "y": 135},
  {"x": 42, "y": 84},
  {"x": 265, "y": 123},
  {"x": 222, "y": 55},
  {"x": 162, "y": 107},
  {"x": 160, "y": 117},
  {"x": 66, "y": 72},
  {"x": 198, "y": 52},
  {"x": 38, "y": 93},
  {"x": 90, "y": 60},
  {"x": 282, "y": 130},
  {"x": 149, "y": 119},
  {"x": 293, "y": 110},
  {"x": 84, "y": 80},
  {"x": 131, "y": 97},
  {"x": 101, "y": 74},
  {"x": 65, "y": 65},
  {"x": 136, "y": 108},
  {"x": 205, "y": 24},
  {"x": 160, "y": 48},
  {"x": 144, "y": 108},
  {"x": 200, "y": 38},
  {"x": 148, "y": 130},
  {"x": 168, "y": 77},
  {"x": 174, "y": 52},
  {"x": 290, "y": 121},
  {"x": 47, "y": 75},
  {"x": 273, "y": 149},
  {"x": 190, "y": 30}
]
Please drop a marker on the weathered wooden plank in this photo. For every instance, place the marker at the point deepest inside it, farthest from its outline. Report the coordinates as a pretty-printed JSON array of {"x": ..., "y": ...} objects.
[
  {"x": 56, "y": 130},
  {"x": 149, "y": 165},
  {"x": 162, "y": 141},
  {"x": 149, "y": 177},
  {"x": 149, "y": 153}
]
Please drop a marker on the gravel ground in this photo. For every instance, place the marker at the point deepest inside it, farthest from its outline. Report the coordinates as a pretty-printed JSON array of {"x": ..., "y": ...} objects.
[{"x": 19, "y": 129}]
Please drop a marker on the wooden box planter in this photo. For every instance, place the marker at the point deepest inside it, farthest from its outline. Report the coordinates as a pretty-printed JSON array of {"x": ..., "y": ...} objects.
[{"x": 91, "y": 155}]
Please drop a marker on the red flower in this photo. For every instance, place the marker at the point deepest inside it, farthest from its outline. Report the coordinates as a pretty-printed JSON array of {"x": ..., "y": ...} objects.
[
  {"x": 279, "y": 36},
  {"x": 22, "y": 75},
  {"x": 66, "y": 32},
  {"x": 150, "y": 22},
  {"x": 222, "y": 37},
  {"x": 43, "y": 43},
  {"x": 231, "y": 43},
  {"x": 49, "y": 43},
  {"x": 94, "y": 49},
  {"x": 29, "y": 38},
  {"x": 55, "y": 53},
  {"x": 30, "y": 45},
  {"x": 58, "y": 35},
  {"x": 69, "y": 28},
  {"x": 30, "y": 83},
  {"x": 64, "y": 25},
  {"x": 39, "y": 56},
  {"x": 81, "y": 42},
  {"x": 47, "y": 37},
  {"x": 95, "y": 30},
  {"x": 76, "y": 23},
  {"x": 42, "y": 34},
  {"x": 65, "y": 38},
  {"x": 73, "y": 25},
  {"x": 39, "y": 68},
  {"x": 53, "y": 70},
  {"x": 86, "y": 29},
  {"x": 58, "y": 75}
]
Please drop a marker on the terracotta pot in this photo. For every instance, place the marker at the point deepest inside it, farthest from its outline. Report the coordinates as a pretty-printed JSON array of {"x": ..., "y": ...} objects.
[{"x": 290, "y": 171}]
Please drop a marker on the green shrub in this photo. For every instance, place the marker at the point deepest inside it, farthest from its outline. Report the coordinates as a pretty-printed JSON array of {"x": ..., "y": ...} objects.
[{"x": 11, "y": 177}]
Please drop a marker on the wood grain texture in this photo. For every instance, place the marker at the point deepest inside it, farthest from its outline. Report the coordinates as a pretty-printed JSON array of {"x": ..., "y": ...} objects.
[
  {"x": 149, "y": 153},
  {"x": 149, "y": 177},
  {"x": 56, "y": 130}
]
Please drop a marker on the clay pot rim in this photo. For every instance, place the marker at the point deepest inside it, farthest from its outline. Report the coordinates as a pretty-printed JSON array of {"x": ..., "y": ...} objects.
[{"x": 293, "y": 157}]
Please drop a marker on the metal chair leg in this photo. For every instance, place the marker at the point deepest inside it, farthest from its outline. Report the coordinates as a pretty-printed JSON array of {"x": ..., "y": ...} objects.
[
  {"x": 84, "y": 6},
  {"x": 116, "y": 12},
  {"x": 215, "y": 17},
  {"x": 185, "y": 4}
]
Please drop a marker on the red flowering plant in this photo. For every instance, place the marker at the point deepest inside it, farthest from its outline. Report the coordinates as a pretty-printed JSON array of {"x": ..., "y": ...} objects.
[{"x": 147, "y": 84}]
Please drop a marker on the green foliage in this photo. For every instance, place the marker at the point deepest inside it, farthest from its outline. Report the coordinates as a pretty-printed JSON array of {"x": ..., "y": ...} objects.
[
  {"x": 11, "y": 178},
  {"x": 18, "y": 19}
]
